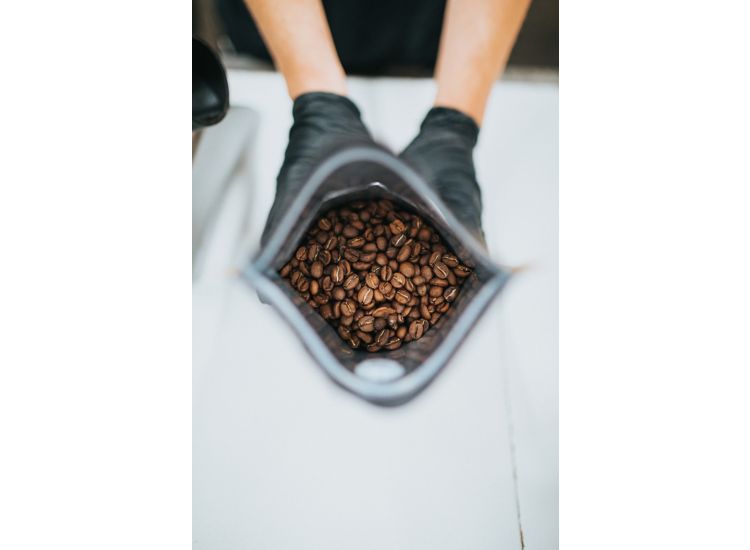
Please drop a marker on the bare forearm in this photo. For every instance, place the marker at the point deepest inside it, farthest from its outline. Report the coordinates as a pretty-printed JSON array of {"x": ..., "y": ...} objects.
[
  {"x": 477, "y": 38},
  {"x": 300, "y": 42}
]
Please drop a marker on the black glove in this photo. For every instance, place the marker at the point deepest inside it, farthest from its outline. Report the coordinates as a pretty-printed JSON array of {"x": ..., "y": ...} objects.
[
  {"x": 442, "y": 153},
  {"x": 322, "y": 123}
]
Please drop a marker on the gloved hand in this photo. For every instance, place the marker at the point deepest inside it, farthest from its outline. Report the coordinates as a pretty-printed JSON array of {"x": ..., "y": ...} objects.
[
  {"x": 442, "y": 153},
  {"x": 322, "y": 122}
]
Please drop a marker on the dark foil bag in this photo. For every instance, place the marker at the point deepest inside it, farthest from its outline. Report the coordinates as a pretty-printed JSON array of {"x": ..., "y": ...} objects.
[{"x": 385, "y": 377}]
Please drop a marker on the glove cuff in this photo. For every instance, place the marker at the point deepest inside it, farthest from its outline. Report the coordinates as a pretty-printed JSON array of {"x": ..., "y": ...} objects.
[
  {"x": 324, "y": 102},
  {"x": 444, "y": 119}
]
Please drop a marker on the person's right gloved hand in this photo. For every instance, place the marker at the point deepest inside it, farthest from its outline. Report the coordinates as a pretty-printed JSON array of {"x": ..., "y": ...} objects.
[
  {"x": 442, "y": 153},
  {"x": 322, "y": 122}
]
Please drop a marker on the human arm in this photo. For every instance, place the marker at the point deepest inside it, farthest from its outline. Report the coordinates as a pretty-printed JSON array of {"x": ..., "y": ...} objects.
[{"x": 299, "y": 39}]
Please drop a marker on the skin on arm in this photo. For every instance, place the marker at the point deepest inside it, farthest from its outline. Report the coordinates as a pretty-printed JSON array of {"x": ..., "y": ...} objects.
[
  {"x": 476, "y": 41},
  {"x": 300, "y": 42}
]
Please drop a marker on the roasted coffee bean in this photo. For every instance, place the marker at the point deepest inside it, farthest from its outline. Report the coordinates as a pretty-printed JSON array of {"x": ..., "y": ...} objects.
[
  {"x": 434, "y": 257},
  {"x": 426, "y": 272},
  {"x": 386, "y": 273},
  {"x": 351, "y": 281},
  {"x": 365, "y": 295},
  {"x": 346, "y": 320},
  {"x": 385, "y": 288},
  {"x": 381, "y": 242},
  {"x": 301, "y": 253},
  {"x": 367, "y": 257},
  {"x": 393, "y": 343},
  {"x": 331, "y": 243},
  {"x": 348, "y": 308},
  {"x": 397, "y": 226},
  {"x": 303, "y": 284},
  {"x": 450, "y": 260},
  {"x": 424, "y": 310},
  {"x": 366, "y": 323},
  {"x": 417, "y": 328},
  {"x": 338, "y": 293},
  {"x": 312, "y": 252},
  {"x": 398, "y": 280},
  {"x": 337, "y": 274},
  {"x": 402, "y": 296},
  {"x": 382, "y": 311},
  {"x": 372, "y": 280},
  {"x": 435, "y": 291},
  {"x": 407, "y": 269},
  {"x": 382, "y": 336},
  {"x": 350, "y": 231},
  {"x": 424, "y": 234},
  {"x": 440, "y": 269},
  {"x": 325, "y": 224},
  {"x": 362, "y": 266},
  {"x": 327, "y": 284},
  {"x": 316, "y": 269},
  {"x": 351, "y": 254},
  {"x": 380, "y": 259},
  {"x": 399, "y": 240},
  {"x": 404, "y": 253},
  {"x": 356, "y": 242},
  {"x": 285, "y": 270},
  {"x": 324, "y": 256},
  {"x": 462, "y": 271},
  {"x": 362, "y": 335},
  {"x": 314, "y": 287},
  {"x": 439, "y": 282}
]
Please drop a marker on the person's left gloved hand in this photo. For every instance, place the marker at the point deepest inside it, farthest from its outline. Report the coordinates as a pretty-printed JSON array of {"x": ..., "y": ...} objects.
[
  {"x": 442, "y": 153},
  {"x": 322, "y": 122}
]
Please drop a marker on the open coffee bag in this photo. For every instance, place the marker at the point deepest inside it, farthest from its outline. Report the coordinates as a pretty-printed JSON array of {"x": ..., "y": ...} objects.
[{"x": 385, "y": 377}]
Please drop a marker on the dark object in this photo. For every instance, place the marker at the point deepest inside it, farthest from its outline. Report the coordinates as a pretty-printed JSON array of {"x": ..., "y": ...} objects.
[
  {"x": 371, "y": 37},
  {"x": 322, "y": 123},
  {"x": 210, "y": 89},
  {"x": 380, "y": 276},
  {"x": 442, "y": 153},
  {"x": 368, "y": 172}
]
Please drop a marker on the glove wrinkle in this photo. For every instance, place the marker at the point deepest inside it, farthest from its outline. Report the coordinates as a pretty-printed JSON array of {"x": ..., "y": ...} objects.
[
  {"x": 323, "y": 122},
  {"x": 443, "y": 153}
]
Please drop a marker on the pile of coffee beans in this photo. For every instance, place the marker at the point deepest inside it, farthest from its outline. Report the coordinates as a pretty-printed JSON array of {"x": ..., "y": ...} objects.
[{"x": 378, "y": 274}]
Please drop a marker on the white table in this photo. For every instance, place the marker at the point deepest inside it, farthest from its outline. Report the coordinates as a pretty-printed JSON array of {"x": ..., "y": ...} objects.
[{"x": 284, "y": 459}]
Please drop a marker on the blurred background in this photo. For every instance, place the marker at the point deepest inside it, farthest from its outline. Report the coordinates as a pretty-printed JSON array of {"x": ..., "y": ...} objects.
[{"x": 225, "y": 24}]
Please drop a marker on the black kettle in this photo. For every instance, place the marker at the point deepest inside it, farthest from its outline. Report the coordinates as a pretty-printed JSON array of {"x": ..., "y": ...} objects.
[{"x": 210, "y": 89}]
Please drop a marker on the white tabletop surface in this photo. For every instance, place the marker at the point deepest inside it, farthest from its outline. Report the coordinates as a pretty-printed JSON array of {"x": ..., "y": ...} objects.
[{"x": 284, "y": 459}]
